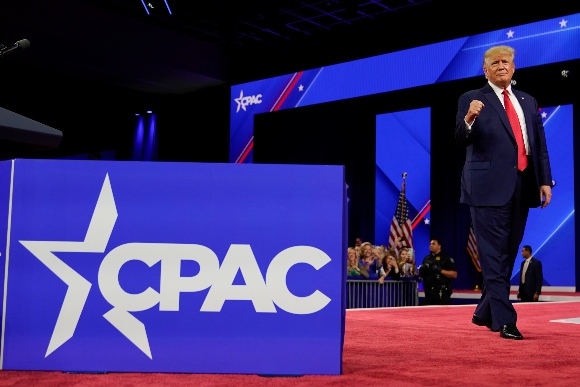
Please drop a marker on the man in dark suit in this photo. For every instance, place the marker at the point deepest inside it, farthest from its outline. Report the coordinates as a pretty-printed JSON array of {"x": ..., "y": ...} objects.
[
  {"x": 506, "y": 172},
  {"x": 531, "y": 277}
]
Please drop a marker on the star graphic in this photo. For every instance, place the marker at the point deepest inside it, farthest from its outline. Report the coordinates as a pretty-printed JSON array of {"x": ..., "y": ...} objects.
[
  {"x": 239, "y": 101},
  {"x": 544, "y": 114},
  {"x": 96, "y": 239},
  {"x": 426, "y": 220},
  {"x": 563, "y": 23},
  {"x": 510, "y": 34},
  {"x": 300, "y": 88}
]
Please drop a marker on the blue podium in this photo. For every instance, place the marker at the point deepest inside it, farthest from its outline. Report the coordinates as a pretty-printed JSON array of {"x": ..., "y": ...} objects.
[{"x": 172, "y": 267}]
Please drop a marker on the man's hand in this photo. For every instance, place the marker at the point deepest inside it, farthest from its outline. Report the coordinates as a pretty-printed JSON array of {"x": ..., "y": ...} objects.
[
  {"x": 474, "y": 109},
  {"x": 519, "y": 297},
  {"x": 436, "y": 269},
  {"x": 536, "y": 296},
  {"x": 545, "y": 195}
]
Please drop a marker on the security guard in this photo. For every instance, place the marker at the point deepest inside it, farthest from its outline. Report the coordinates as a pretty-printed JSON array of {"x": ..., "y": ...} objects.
[{"x": 437, "y": 270}]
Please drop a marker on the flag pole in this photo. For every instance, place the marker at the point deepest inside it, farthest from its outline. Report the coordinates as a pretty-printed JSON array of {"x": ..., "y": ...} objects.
[{"x": 403, "y": 191}]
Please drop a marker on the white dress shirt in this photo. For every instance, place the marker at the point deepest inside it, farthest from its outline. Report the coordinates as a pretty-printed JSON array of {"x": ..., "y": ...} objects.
[{"x": 519, "y": 111}]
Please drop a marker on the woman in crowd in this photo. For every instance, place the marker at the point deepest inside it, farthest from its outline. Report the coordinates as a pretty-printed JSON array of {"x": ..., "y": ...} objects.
[
  {"x": 406, "y": 263},
  {"x": 353, "y": 267},
  {"x": 368, "y": 260},
  {"x": 389, "y": 268},
  {"x": 379, "y": 253}
]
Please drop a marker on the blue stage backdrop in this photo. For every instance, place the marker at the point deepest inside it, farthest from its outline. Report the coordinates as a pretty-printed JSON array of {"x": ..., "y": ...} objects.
[
  {"x": 403, "y": 144},
  {"x": 173, "y": 267},
  {"x": 536, "y": 44},
  {"x": 550, "y": 231}
]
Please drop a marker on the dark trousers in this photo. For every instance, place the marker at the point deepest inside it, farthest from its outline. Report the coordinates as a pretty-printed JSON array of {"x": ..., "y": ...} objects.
[
  {"x": 526, "y": 295},
  {"x": 499, "y": 232},
  {"x": 433, "y": 297}
]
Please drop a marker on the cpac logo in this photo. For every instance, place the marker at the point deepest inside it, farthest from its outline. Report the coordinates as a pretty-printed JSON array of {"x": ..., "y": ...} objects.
[
  {"x": 247, "y": 100},
  {"x": 264, "y": 294}
]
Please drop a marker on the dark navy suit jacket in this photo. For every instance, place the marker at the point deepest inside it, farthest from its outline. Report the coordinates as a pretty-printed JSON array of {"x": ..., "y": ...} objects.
[
  {"x": 490, "y": 170},
  {"x": 534, "y": 280}
]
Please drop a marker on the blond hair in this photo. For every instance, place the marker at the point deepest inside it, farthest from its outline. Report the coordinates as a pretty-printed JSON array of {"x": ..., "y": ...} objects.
[{"x": 498, "y": 50}]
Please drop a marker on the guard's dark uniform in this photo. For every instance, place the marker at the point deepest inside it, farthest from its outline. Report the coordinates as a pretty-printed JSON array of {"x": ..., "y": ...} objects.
[{"x": 437, "y": 287}]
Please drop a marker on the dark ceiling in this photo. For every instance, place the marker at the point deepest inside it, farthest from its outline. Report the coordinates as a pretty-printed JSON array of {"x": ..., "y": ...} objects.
[{"x": 180, "y": 46}]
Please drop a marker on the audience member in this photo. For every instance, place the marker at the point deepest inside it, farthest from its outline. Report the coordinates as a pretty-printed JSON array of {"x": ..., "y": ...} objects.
[
  {"x": 389, "y": 267},
  {"x": 368, "y": 260},
  {"x": 379, "y": 253},
  {"x": 406, "y": 263},
  {"x": 353, "y": 267}
]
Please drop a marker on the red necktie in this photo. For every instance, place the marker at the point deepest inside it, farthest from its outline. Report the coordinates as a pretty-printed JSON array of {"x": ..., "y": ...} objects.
[{"x": 517, "y": 129}]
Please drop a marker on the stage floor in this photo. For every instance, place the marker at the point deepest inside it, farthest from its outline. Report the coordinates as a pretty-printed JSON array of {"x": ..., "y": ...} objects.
[
  {"x": 545, "y": 296},
  {"x": 405, "y": 346}
]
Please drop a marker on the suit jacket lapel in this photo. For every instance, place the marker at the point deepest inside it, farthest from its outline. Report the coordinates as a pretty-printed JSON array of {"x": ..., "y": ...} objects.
[{"x": 495, "y": 103}]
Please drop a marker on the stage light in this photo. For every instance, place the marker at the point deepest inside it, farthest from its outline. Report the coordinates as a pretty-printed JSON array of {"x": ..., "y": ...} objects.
[
  {"x": 145, "y": 6},
  {"x": 168, "y": 9}
]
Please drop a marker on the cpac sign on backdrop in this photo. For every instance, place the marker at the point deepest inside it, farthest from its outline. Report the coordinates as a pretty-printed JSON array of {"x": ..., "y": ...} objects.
[{"x": 172, "y": 267}]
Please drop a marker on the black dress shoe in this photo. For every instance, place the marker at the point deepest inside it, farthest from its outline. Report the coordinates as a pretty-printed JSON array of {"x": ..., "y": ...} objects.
[
  {"x": 479, "y": 322},
  {"x": 510, "y": 331}
]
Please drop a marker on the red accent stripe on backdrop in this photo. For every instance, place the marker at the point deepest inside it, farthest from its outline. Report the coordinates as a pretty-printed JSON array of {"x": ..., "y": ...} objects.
[
  {"x": 421, "y": 216},
  {"x": 248, "y": 149},
  {"x": 288, "y": 91},
  {"x": 280, "y": 102}
]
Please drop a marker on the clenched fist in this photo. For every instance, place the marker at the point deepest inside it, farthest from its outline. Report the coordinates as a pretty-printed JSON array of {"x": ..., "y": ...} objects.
[{"x": 474, "y": 109}]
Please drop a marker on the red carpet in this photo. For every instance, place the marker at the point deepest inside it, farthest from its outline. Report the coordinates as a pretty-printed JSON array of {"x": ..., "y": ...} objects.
[{"x": 416, "y": 346}]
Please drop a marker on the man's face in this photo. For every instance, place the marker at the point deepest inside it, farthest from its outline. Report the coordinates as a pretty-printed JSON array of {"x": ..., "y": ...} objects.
[
  {"x": 435, "y": 247},
  {"x": 525, "y": 253},
  {"x": 499, "y": 69}
]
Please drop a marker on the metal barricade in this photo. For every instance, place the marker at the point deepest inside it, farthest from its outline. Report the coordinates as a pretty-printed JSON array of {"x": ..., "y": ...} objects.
[{"x": 372, "y": 294}]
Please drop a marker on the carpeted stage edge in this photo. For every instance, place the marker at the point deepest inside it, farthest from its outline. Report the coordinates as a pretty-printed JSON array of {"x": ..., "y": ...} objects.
[{"x": 413, "y": 346}]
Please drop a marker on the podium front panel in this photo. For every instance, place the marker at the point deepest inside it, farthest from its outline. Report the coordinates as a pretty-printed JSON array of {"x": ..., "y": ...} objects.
[{"x": 172, "y": 267}]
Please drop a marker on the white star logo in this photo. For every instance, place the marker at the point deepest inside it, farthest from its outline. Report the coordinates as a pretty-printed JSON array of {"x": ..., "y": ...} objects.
[
  {"x": 300, "y": 88},
  {"x": 96, "y": 239},
  {"x": 426, "y": 220},
  {"x": 510, "y": 34},
  {"x": 239, "y": 101},
  {"x": 563, "y": 23},
  {"x": 544, "y": 114}
]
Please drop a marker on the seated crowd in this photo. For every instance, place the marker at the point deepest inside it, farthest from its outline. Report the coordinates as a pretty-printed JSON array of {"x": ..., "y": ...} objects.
[{"x": 376, "y": 262}]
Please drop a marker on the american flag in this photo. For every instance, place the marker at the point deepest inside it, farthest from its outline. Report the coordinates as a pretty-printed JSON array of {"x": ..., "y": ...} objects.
[
  {"x": 472, "y": 249},
  {"x": 401, "y": 225}
]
